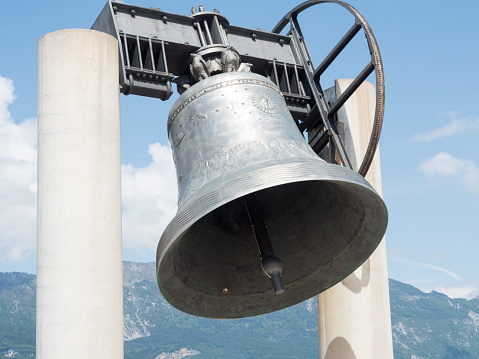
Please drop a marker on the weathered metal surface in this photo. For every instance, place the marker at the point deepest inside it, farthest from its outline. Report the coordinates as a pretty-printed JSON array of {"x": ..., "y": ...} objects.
[{"x": 232, "y": 135}]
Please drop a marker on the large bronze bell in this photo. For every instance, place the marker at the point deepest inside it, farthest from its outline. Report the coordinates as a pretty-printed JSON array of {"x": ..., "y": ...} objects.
[{"x": 255, "y": 202}]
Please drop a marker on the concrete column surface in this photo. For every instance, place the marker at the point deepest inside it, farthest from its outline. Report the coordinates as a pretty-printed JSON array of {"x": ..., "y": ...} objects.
[
  {"x": 354, "y": 318},
  {"x": 79, "y": 252}
]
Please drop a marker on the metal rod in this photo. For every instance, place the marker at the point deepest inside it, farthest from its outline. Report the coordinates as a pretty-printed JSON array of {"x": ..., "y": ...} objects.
[
  {"x": 271, "y": 265},
  {"x": 200, "y": 34},
  {"x": 275, "y": 73},
  {"x": 350, "y": 90},
  {"x": 319, "y": 140},
  {"x": 207, "y": 29},
  {"x": 224, "y": 38},
  {"x": 302, "y": 53},
  {"x": 300, "y": 88},
  {"x": 152, "y": 57},
  {"x": 138, "y": 46},
  {"x": 163, "y": 56},
  {"x": 126, "y": 51},
  {"x": 258, "y": 226},
  {"x": 286, "y": 74},
  {"x": 337, "y": 50}
]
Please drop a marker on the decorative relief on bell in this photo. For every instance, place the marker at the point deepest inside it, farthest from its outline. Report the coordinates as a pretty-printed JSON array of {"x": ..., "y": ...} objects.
[
  {"x": 209, "y": 61},
  {"x": 199, "y": 68},
  {"x": 257, "y": 107},
  {"x": 205, "y": 90},
  {"x": 230, "y": 60},
  {"x": 265, "y": 103},
  {"x": 217, "y": 161}
]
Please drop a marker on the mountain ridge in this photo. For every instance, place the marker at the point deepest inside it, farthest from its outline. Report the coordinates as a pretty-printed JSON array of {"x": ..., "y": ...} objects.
[{"x": 425, "y": 325}]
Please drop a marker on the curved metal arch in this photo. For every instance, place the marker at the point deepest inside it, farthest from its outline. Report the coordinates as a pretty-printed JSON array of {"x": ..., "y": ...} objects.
[{"x": 375, "y": 64}]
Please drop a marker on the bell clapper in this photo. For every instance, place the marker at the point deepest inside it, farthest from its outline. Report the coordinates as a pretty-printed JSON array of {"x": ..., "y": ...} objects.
[{"x": 272, "y": 266}]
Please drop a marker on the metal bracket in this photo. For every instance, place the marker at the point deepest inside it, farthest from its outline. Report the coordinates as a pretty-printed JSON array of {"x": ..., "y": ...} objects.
[
  {"x": 321, "y": 113},
  {"x": 155, "y": 47}
]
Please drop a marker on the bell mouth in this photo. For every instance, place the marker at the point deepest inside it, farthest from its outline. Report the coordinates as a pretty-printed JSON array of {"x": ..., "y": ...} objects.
[{"x": 324, "y": 221}]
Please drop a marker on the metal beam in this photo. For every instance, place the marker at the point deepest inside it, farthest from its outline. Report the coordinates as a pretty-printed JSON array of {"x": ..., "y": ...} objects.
[
  {"x": 305, "y": 59},
  {"x": 337, "y": 49},
  {"x": 350, "y": 90}
]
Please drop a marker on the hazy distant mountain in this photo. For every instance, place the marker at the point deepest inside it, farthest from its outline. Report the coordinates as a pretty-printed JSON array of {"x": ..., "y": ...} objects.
[
  {"x": 424, "y": 325},
  {"x": 433, "y": 325},
  {"x": 17, "y": 315}
]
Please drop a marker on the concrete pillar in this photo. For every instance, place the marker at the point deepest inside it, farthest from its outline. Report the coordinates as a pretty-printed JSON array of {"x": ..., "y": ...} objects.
[
  {"x": 354, "y": 316},
  {"x": 79, "y": 254}
]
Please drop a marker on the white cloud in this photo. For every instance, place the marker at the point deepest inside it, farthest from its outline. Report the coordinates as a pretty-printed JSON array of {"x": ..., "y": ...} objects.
[
  {"x": 429, "y": 280},
  {"x": 18, "y": 171},
  {"x": 462, "y": 289},
  {"x": 6, "y": 98},
  {"x": 444, "y": 164},
  {"x": 427, "y": 266},
  {"x": 457, "y": 124},
  {"x": 149, "y": 194},
  {"x": 149, "y": 201}
]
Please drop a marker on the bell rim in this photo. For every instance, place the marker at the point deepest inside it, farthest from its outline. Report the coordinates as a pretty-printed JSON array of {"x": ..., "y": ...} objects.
[
  {"x": 273, "y": 169},
  {"x": 280, "y": 172}
]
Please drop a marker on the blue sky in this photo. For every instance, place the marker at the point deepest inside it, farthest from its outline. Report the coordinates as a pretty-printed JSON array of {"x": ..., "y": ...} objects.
[{"x": 429, "y": 144}]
